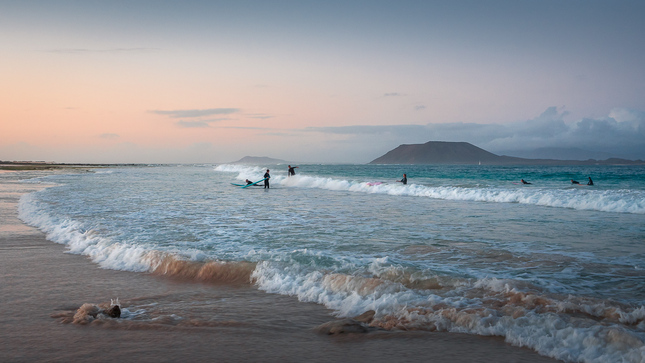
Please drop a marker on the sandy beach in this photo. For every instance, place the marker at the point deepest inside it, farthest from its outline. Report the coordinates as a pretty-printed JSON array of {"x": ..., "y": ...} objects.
[{"x": 41, "y": 285}]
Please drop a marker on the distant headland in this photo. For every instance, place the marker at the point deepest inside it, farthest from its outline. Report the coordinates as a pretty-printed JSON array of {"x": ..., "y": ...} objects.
[
  {"x": 50, "y": 165},
  {"x": 259, "y": 160},
  {"x": 444, "y": 152}
]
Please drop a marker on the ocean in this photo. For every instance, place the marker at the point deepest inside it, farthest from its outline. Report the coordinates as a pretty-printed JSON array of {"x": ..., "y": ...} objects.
[{"x": 552, "y": 266}]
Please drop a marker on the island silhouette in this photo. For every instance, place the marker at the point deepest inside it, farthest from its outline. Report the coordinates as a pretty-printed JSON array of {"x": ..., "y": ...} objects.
[{"x": 446, "y": 152}]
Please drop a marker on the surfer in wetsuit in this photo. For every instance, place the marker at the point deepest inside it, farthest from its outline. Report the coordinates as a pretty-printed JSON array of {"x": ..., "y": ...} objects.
[
  {"x": 404, "y": 180},
  {"x": 574, "y": 182},
  {"x": 292, "y": 170},
  {"x": 590, "y": 181},
  {"x": 266, "y": 182},
  {"x": 525, "y": 182},
  {"x": 248, "y": 182}
]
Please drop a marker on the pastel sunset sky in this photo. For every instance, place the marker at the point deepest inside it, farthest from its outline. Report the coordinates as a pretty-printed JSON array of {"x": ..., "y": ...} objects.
[{"x": 316, "y": 81}]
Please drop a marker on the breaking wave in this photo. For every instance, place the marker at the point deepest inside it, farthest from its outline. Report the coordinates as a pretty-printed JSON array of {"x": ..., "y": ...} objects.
[
  {"x": 619, "y": 201},
  {"x": 562, "y": 327},
  {"x": 130, "y": 257}
]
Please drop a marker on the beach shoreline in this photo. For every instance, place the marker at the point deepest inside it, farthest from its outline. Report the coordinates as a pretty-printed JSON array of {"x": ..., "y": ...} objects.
[{"x": 224, "y": 322}]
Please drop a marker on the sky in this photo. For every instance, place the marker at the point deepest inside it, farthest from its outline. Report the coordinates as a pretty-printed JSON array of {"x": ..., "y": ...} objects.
[{"x": 317, "y": 81}]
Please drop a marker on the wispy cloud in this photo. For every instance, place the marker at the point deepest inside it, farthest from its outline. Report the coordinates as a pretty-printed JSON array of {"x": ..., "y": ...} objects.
[
  {"x": 260, "y": 116},
  {"x": 199, "y": 123},
  {"x": 393, "y": 94},
  {"x": 196, "y": 112},
  {"x": 192, "y": 124},
  {"x": 245, "y": 128},
  {"x": 109, "y": 136},
  {"x": 107, "y": 50},
  {"x": 621, "y": 133}
]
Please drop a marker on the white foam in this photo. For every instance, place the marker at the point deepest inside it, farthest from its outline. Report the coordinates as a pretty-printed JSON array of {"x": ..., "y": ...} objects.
[
  {"x": 620, "y": 201},
  {"x": 554, "y": 334},
  {"x": 557, "y": 333},
  {"x": 244, "y": 172},
  {"x": 106, "y": 253}
]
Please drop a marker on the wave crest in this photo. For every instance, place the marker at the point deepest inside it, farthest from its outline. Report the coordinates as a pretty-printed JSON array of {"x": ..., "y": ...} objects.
[{"x": 212, "y": 271}]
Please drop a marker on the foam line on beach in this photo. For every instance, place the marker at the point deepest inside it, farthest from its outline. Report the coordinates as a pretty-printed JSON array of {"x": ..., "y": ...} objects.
[
  {"x": 618, "y": 201},
  {"x": 559, "y": 328},
  {"x": 123, "y": 256},
  {"x": 104, "y": 252},
  {"x": 571, "y": 328}
]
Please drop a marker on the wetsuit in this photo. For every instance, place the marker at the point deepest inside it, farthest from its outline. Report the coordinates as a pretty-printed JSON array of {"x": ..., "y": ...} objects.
[
  {"x": 266, "y": 182},
  {"x": 590, "y": 182},
  {"x": 404, "y": 180},
  {"x": 292, "y": 171}
]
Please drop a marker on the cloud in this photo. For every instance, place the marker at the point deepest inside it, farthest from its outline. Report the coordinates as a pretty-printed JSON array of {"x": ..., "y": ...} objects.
[
  {"x": 108, "y": 50},
  {"x": 621, "y": 133},
  {"x": 109, "y": 136},
  {"x": 199, "y": 123},
  {"x": 393, "y": 94},
  {"x": 245, "y": 128},
  {"x": 260, "y": 116},
  {"x": 196, "y": 113},
  {"x": 192, "y": 124}
]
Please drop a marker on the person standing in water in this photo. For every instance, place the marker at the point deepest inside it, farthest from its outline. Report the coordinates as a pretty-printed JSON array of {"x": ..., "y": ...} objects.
[
  {"x": 267, "y": 177},
  {"x": 590, "y": 181},
  {"x": 404, "y": 180},
  {"x": 292, "y": 170}
]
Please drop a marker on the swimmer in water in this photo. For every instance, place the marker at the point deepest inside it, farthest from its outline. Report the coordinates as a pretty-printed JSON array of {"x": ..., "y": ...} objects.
[{"x": 404, "y": 180}]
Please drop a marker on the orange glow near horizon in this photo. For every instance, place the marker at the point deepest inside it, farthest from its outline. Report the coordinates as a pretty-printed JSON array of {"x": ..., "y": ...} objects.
[{"x": 92, "y": 83}]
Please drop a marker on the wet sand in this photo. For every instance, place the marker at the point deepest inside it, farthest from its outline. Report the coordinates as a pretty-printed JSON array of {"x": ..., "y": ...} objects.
[{"x": 41, "y": 284}]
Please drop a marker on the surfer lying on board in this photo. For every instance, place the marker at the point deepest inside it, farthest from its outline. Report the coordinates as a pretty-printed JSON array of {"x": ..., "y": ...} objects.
[
  {"x": 248, "y": 182},
  {"x": 404, "y": 180},
  {"x": 574, "y": 182},
  {"x": 524, "y": 182}
]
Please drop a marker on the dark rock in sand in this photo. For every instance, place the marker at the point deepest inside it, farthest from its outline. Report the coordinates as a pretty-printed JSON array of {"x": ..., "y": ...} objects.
[
  {"x": 358, "y": 324},
  {"x": 342, "y": 326},
  {"x": 366, "y": 317},
  {"x": 113, "y": 312}
]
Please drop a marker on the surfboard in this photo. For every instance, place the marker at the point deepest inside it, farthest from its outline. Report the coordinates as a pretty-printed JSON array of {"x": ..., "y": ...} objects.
[
  {"x": 248, "y": 185},
  {"x": 244, "y": 185}
]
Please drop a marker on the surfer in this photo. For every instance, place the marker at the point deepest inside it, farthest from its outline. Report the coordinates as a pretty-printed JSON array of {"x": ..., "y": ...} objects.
[
  {"x": 266, "y": 182},
  {"x": 525, "y": 182},
  {"x": 574, "y": 182},
  {"x": 404, "y": 180},
  {"x": 292, "y": 170},
  {"x": 248, "y": 182},
  {"x": 590, "y": 181}
]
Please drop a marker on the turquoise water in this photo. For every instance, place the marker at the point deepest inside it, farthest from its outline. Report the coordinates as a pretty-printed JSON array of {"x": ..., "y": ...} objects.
[{"x": 553, "y": 266}]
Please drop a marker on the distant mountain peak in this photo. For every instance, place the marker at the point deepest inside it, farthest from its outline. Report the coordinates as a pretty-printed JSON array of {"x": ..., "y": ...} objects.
[
  {"x": 437, "y": 152},
  {"x": 446, "y": 152},
  {"x": 259, "y": 160}
]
